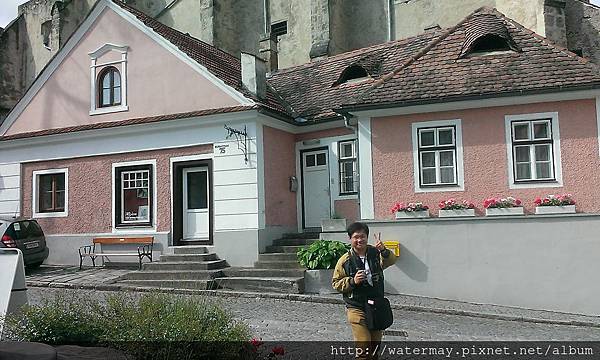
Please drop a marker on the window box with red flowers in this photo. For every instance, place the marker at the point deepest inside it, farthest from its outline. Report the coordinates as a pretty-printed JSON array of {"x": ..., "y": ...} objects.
[
  {"x": 555, "y": 204},
  {"x": 410, "y": 210},
  {"x": 452, "y": 208},
  {"x": 503, "y": 206}
]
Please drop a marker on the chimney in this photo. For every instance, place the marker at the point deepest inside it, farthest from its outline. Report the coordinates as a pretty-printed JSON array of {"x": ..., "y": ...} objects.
[
  {"x": 268, "y": 52},
  {"x": 254, "y": 75}
]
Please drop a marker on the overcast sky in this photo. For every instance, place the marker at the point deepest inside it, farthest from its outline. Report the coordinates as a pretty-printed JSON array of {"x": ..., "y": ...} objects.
[{"x": 8, "y": 10}]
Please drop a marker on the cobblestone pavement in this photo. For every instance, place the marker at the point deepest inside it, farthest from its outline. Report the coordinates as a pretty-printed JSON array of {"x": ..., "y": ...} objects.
[
  {"x": 49, "y": 274},
  {"x": 283, "y": 320}
]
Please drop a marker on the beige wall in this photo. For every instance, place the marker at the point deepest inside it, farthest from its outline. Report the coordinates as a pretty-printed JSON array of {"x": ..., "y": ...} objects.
[
  {"x": 293, "y": 47},
  {"x": 414, "y": 16}
]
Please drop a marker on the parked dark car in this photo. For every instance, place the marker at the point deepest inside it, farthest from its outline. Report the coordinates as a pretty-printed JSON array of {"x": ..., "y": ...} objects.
[{"x": 27, "y": 236}]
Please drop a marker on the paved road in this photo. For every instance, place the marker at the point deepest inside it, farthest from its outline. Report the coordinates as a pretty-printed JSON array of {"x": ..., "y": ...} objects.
[{"x": 283, "y": 320}]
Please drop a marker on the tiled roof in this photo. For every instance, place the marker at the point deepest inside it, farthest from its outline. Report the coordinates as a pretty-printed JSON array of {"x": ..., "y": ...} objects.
[
  {"x": 218, "y": 62},
  {"x": 309, "y": 89},
  {"x": 137, "y": 121},
  {"x": 440, "y": 74}
]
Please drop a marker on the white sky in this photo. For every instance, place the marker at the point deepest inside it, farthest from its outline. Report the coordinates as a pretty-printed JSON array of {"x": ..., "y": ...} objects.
[{"x": 8, "y": 10}]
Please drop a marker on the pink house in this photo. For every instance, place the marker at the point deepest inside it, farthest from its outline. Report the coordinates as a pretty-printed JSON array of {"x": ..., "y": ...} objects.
[{"x": 136, "y": 128}]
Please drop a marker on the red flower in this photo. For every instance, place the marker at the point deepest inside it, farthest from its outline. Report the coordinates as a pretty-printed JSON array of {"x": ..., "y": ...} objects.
[
  {"x": 256, "y": 343},
  {"x": 278, "y": 350},
  {"x": 537, "y": 201},
  {"x": 518, "y": 202}
]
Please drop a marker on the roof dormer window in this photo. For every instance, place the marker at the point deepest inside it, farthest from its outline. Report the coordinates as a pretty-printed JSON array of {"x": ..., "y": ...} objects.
[
  {"x": 490, "y": 43},
  {"x": 353, "y": 73},
  {"x": 486, "y": 34}
]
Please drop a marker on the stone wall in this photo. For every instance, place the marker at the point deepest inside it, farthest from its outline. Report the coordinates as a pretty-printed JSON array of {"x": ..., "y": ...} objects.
[
  {"x": 583, "y": 29},
  {"x": 11, "y": 86}
]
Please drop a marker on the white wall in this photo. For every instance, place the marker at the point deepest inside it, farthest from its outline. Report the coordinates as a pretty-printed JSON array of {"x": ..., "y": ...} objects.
[
  {"x": 10, "y": 189},
  {"x": 538, "y": 262}
]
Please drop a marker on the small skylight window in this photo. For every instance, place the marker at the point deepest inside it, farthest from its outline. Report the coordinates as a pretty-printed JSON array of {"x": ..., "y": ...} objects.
[
  {"x": 279, "y": 28},
  {"x": 352, "y": 73}
]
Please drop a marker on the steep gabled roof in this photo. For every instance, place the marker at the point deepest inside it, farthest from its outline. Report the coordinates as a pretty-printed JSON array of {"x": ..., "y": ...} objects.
[{"x": 440, "y": 74}]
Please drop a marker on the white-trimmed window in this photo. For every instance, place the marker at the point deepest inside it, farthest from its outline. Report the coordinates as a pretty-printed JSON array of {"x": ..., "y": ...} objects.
[
  {"x": 108, "y": 80},
  {"x": 437, "y": 152},
  {"x": 534, "y": 150},
  {"x": 50, "y": 193},
  {"x": 348, "y": 173},
  {"x": 134, "y": 204}
]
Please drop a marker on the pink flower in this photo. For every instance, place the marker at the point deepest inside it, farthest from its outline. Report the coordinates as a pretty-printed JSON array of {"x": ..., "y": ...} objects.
[
  {"x": 278, "y": 350},
  {"x": 537, "y": 201},
  {"x": 518, "y": 202}
]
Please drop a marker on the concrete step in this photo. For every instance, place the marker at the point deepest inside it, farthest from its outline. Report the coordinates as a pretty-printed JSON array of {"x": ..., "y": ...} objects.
[
  {"x": 188, "y": 257},
  {"x": 294, "y": 241},
  {"x": 189, "y": 265},
  {"x": 176, "y": 284},
  {"x": 278, "y": 257},
  {"x": 259, "y": 284},
  {"x": 172, "y": 275},
  {"x": 191, "y": 249},
  {"x": 304, "y": 235},
  {"x": 267, "y": 273},
  {"x": 277, "y": 265},
  {"x": 283, "y": 249}
]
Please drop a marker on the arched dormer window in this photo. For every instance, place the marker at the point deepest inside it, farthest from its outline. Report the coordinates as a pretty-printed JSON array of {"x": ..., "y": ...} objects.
[
  {"x": 486, "y": 33},
  {"x": 352, "y": 73},
  {"x": 109, "y": 87},
  {"x": 489, "y": 43}
]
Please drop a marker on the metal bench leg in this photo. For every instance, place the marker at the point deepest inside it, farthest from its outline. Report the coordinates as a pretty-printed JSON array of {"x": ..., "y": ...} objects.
[
  {"x": 93, "y": 260},
  {"x": 80, "y": 261}
]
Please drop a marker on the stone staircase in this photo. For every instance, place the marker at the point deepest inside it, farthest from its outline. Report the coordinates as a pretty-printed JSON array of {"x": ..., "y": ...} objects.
[
  {"x": 193, "y": 267},
  {"x": 185, "y": 267},
  {"x": 277, "y": 269}
]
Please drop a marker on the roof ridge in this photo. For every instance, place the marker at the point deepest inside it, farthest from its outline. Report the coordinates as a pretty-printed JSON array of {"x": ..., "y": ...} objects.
[
  {"x": 425, "y": 50},
  {"x": 351, "y": 53}
]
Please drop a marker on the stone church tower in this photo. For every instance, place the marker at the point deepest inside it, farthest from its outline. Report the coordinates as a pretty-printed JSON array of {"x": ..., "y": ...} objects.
[{"x": 288, "y": 32}]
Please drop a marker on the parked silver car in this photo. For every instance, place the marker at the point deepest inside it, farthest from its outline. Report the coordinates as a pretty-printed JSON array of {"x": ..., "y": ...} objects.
[{"x": 27, "y": 236}]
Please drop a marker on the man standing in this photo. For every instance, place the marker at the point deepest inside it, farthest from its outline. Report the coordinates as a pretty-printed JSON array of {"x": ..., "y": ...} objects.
[{"x": 358, "y": 275}]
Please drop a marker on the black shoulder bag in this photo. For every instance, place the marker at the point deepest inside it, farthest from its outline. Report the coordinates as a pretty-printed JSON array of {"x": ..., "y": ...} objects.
[{"x": 378, "y": 313}]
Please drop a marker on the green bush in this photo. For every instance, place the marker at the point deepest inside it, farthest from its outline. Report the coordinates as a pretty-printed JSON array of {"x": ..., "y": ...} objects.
[
  {"x": 322, "y": 254},
  {"x": 153, "y": 326}
]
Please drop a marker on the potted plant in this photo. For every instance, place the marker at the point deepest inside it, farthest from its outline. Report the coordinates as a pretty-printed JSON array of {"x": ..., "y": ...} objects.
[
  {"x": 452, "y": 208},
  {"x": 319, "y": 258},
  {"x": 335, "y": 224},
  {"x": 503, "y": 206},
  {"x": 555, "y": 204},
  {"x": 410, "y": 210}
]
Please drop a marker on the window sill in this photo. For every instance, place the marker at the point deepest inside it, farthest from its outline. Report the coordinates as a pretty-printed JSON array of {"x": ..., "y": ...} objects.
[
  {"x": 109, "y": 110},
  {"x": 534, "y": 185},
  {"x": 439, "y": 188},
  {"x": 37, "y": 215}
]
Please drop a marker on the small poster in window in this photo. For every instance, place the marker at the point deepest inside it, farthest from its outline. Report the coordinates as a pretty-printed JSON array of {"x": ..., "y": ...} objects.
[
  {"x": 143, "y": 212},
  {"x": 142, "y": 193}
]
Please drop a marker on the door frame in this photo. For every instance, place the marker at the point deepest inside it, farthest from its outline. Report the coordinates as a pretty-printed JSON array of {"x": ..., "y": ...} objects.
[
  {"x": 185, "y": 197},
  {"x": 177, "y": 206},
  {"x": 301, "y": 184}
]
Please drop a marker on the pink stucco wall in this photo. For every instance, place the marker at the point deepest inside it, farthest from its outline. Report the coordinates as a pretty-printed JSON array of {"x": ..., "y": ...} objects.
[
  {"x": 158, "y": 82},
  {"x": 347, "y": 209},
  {"x": 485, "y": 157},
  {"x": 90, "y": 190},
  {"x": 280, "y": 164}
]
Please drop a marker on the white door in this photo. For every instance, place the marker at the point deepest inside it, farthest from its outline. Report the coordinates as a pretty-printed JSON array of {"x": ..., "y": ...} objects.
[
  {"x": 195, "y": 204},
  {"x": 316, "y": 198}
]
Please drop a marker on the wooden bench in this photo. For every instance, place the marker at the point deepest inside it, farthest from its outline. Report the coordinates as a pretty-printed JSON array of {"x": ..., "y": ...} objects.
[{"x": 93, "y": 251}]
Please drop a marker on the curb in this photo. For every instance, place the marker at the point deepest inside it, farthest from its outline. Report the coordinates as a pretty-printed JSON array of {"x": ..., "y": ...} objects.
[{"x": 309, "y": 298}]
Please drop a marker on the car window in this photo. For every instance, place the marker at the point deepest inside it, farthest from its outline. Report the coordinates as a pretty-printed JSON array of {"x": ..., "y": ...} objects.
[{"x": 24, "y": 229}]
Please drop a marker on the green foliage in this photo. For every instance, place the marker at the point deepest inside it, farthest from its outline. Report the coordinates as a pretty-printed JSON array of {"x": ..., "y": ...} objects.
[
  {"x": 152, "y": 326},
  {"x": 322, "y": 254}
]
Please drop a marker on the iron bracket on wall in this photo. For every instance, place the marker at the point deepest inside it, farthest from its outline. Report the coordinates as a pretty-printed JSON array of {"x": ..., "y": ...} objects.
[{"x": 241, "y": 137}]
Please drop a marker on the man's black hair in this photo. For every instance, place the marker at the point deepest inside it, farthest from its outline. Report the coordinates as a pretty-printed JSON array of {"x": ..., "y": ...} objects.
[{"x": 357, "y": 227}]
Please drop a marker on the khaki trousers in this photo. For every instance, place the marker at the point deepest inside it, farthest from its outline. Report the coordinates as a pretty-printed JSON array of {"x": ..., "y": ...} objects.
[{"x": 365, "y": 340}]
